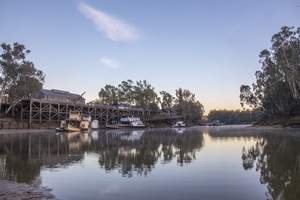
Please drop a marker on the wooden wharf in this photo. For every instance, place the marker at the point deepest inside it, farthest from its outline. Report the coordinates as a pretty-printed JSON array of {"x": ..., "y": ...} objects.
[{"x": 48, "y": 114}]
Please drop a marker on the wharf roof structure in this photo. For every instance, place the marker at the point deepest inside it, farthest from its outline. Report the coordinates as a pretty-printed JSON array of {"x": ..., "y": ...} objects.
[{"x": 60, "y": 96}]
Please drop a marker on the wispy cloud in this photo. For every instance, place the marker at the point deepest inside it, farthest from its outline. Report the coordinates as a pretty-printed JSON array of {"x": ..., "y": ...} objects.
[
  {"x": 109, "y": 62},
  {"x": 114, "y": 28}
]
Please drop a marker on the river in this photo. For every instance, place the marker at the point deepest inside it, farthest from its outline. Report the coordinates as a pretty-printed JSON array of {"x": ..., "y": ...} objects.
[{"x": 224, "y": 162}]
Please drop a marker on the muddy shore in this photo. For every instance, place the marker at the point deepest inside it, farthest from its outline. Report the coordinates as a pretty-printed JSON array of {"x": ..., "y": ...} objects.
[{"x": 10, "y": 190}]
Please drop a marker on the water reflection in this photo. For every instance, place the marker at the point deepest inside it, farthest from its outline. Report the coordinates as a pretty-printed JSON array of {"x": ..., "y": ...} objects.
[
  {"x": 137, "y": 152},
  {"x": 179, "y": 130},
  {"x": 275, "y": 154},
  {"x": 277, "y": 158},
  {"x": 127, "y": 151},
  {"x": 23, "y": 155}
]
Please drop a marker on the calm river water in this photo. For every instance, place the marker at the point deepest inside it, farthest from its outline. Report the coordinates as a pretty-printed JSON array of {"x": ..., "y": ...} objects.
[{"x": 228, "y": 162}]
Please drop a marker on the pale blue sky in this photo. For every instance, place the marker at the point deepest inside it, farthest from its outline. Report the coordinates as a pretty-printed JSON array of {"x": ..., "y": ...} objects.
[{"x": 209, "y": 47}]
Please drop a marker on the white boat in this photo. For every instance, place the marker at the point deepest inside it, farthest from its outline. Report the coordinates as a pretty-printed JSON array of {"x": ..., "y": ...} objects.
[
  {"x": 127, "y": 122},
  {"x": 180, "y": 124},
  {"x": 75, "y": 122},
  {"x": 216, "y": 123},
  {"x": 94, "y": 124}
]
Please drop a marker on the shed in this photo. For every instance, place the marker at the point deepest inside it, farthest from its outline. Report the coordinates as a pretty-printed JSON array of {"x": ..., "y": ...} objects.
[{"x": 60, "y": 96}]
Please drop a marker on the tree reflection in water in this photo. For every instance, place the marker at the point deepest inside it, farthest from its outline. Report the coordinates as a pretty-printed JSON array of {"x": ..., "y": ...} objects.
[
  {"x": 23, "y": 155},
  {"x": 276, "y": 156},
  {"x": 140, "y": 156},
  {"x": 277, "y": 159}
]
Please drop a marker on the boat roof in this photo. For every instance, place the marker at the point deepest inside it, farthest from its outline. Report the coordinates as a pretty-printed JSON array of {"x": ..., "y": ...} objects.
[{"x": 129, "y": 119}]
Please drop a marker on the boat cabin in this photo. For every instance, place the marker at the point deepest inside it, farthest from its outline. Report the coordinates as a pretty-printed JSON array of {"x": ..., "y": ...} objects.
[{"x": 75, "y": 115}]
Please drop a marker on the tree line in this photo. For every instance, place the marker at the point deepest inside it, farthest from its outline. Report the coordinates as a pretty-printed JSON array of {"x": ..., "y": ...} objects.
[
  {"x": 246, "y": 116},
  {"x": 142, "y": 94},
  {"x": 276, "y": 92}
]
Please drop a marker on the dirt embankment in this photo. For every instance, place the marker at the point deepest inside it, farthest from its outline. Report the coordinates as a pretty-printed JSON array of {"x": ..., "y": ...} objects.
[{"x": 19, "y": 191}]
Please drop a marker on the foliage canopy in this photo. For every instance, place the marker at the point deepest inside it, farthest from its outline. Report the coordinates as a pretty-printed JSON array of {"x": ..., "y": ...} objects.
[
  {"x": 19, "y": 77},
  {"x": 276, "y": 92},
  {"x": 143, "y": 95}
]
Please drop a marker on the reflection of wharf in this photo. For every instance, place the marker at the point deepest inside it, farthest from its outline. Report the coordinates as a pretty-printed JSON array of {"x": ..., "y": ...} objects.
[
  {"x": 41, "y": 149},
  {"x": 127, "y": 151},
  {"x": 48, "y": 114}
]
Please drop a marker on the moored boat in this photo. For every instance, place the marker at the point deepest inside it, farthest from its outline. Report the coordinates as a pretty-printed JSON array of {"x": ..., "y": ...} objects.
[
  {"x": 180, "y": 124},
  {"x": 75, "y": 122},
  {"x": 95, "y": 124},
  {"x": 127, "y": 122},
  {"x": 216, "y": 123}
]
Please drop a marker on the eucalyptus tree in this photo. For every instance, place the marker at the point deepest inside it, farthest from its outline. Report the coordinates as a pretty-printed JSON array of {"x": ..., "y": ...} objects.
[
  {"x": 167, "y": 100},
  {"x": 109, "y": 95},
  {"x": 285, "y": 55},
  {"x": 186, "y": 105},
  {"x": 277, "y": 89},
  {"x": 195, "y": 111},
  {"x": 19, "y": 78},
  {"x": 145, "y": 96},
  {"x": 126, "y": 92},
  {"x": 183, "y": 97}
]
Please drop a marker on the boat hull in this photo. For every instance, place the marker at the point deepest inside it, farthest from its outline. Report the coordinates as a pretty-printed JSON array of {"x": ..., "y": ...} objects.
[
  {"x": 121, "y": 126},
  {"x": 135, "y": 127},
  {"x": 180, "y": 124},
  {"x": 73, "y": 125}
]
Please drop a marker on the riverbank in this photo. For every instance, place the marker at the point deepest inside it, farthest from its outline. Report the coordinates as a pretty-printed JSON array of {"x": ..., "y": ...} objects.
[
  {"x": 10, "y": 190},
  {"x": 16, "y": 131}
]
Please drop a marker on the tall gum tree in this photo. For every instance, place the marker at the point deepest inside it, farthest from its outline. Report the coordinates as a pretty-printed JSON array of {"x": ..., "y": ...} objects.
[
  {"x": 19, "y": 78},
  {"x": 277, "y": 88}
]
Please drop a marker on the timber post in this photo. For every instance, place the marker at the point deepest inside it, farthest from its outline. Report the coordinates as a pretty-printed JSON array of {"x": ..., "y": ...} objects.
[{"x": 30, "y": 114}]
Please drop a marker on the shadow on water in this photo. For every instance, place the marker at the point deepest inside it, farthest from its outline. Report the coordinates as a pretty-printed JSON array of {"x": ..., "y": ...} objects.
[{"x": 276, "y": 154}]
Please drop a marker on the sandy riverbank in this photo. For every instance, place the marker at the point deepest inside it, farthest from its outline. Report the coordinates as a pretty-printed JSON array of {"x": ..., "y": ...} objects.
[{"x": 16, "y": 191}]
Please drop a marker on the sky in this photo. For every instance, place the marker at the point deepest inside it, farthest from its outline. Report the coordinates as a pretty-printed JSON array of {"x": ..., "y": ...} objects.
[{"x": 209, "y": 47}]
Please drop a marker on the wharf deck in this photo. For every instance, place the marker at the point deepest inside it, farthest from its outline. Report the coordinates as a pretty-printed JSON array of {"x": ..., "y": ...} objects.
[{"x": 48, "y": 114}]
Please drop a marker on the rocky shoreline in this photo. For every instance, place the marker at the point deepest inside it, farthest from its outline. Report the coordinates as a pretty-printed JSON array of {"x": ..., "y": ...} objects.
[{"x": 10, "y": 190}]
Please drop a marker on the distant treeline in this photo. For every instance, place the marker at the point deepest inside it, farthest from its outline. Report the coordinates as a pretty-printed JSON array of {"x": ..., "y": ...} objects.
[{"x": 235, "y": 116}]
